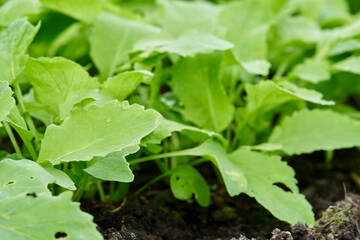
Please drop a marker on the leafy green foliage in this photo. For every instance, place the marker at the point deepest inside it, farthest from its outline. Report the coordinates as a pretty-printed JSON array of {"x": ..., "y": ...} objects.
[
  {"x": 185, "y": 181},
  {"x": 97, "y": 131},
  {"x": 307, "y": 131},
  {"x": 205, "y": 81},
  {"x": 44, "y": 217},
  {"x": 13, "y": 43},
  {"x": 262, "y": 172},
  {"x": 7, "y": 102},
  {"x": 197, "y": 82},
  {"x": 62, "y": 77}
]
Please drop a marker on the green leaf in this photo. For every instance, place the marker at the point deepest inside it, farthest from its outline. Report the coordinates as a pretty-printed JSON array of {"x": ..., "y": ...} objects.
[
  {"x": 233, "y": 177},
  {"x": 53, "y": 79},
  {"x": 123, "y": 84},
  {"x": 186, "y": 181},
  {"x": 312, "y": 70},
  {"x": 97, "y": 131},
  {"x": 112, "y": 39},
  {"x": 303, "y": 93},
  {"x": 21, "y": 177},
  {"x": 18, "y": 123},
  {"x": 187, "y": 45},
  {"x": 247, "y": 24},
  {"x": 178, "y": 17},
  {"x": 45, "y": 217},
  {"x": 76, "y": 8},
  {"x": 345, "y": 46},
  {"x": 13, "y": 44},
  {"x": 61, "y": 178},
  {"x": 297, "y": 29},
  {"x": 7, "y": 102},
  {"x": 311, "y": 130},
  {"x": 14, "y": 9},
  {"x": 113, "y": 167},
  {"x": 167, "y": 127},
  {"x": 350, "y": 64},
  {"x": 196, "y": 81},
  {"x": 262, "y": 172}
]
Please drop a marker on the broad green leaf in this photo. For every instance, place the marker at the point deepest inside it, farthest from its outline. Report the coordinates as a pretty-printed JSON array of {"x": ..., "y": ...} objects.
[
  {"x": 303, "y": 93},
  {"x": 113, "y": 167},
  {"x": 312, "y": 70},
  {"x": 186, "y": 181},
  {"x": 45, "y": 217},
  {"x": 53, "y": 79},
  {"x": 78, "y": 9},
  {"x": 187, "y": 45},
  {"x": 247, "y": 24},
  {"x": 22, "y": 177},
  {"x": 14, "y": 9},
  {"x": 123, "y": 84},
  {"x": 350, "y": 64},
  {"x": 297, "y": 29},
  {"x": 112, "y": 39},
  {"x": 267, "y": 95},
  {"x": 233, "y": 177},
  {"x": 7, "y": 102},
  {"x": 178, "y": 17},
  {"x": 311, "y": 130},
  {"x": 167, "y": 127},
  {"x": 61, "y": 178},
  {"x": 83, "y": 96},
  {"x": 97, "y": 131},
  {"x": 13, "y": 44},
  {"x": 196, "y": 81},
  {"x": 344, "y": 46},
  {"x": 262, "y": 172},
  {"x": 18, "y": 123}
]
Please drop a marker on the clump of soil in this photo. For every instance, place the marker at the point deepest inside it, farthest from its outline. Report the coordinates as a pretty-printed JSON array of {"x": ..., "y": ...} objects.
[{"x": 341, "y": 221}]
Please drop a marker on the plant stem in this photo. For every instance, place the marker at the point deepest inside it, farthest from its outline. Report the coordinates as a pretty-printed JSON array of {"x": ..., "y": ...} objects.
[
  {"x": 163, "y": 155},
  {"x": 31, "y": 149},
  {"x": 140, "y": 190},
  {"x": 12, "y": 137},
  {"x": 27, "y": 117},
  {"x": 101, "y": 191}
]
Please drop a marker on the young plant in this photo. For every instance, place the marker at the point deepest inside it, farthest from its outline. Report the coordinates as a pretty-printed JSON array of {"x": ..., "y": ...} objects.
[{"x": 237, "y": 85}]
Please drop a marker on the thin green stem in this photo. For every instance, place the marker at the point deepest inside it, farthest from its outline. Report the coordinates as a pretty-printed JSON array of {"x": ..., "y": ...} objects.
[
  {"x": 140, "y": 190},
  {"x": 27, "y": 117},
  {"x": 31, "y": 149},
  {"x": 12, "y": 137},
  {"x": 163, "y": 155},
  {"x": 101, "y": 191},
  {"x": 81, "y": 189}
]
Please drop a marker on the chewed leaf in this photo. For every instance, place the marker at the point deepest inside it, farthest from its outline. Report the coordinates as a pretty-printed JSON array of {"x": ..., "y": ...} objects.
[
  {"x": 97, "y": 131},
  {"x": 37, "y": 217},
  {"x": 13, "y": 44},
  {"x": 7, "y": 102},
  {"x": 113, "y": 167},
  {"x": 186, "y": 181},
  {"x": 311, "y": 130},
  {"x": 262, "y": 172},
  {"x": 21, "y": 177}
]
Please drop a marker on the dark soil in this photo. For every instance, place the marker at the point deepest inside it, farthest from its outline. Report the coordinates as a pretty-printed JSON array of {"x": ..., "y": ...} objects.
[{"x": 330, "y": 188}]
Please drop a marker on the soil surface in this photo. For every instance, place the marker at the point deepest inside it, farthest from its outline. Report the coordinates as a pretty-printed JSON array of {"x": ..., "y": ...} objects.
[{"x": 331, "y": 188}]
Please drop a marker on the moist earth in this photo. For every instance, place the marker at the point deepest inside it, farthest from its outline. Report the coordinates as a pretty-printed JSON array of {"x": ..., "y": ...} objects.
[{"x": 331, "y": 187}]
